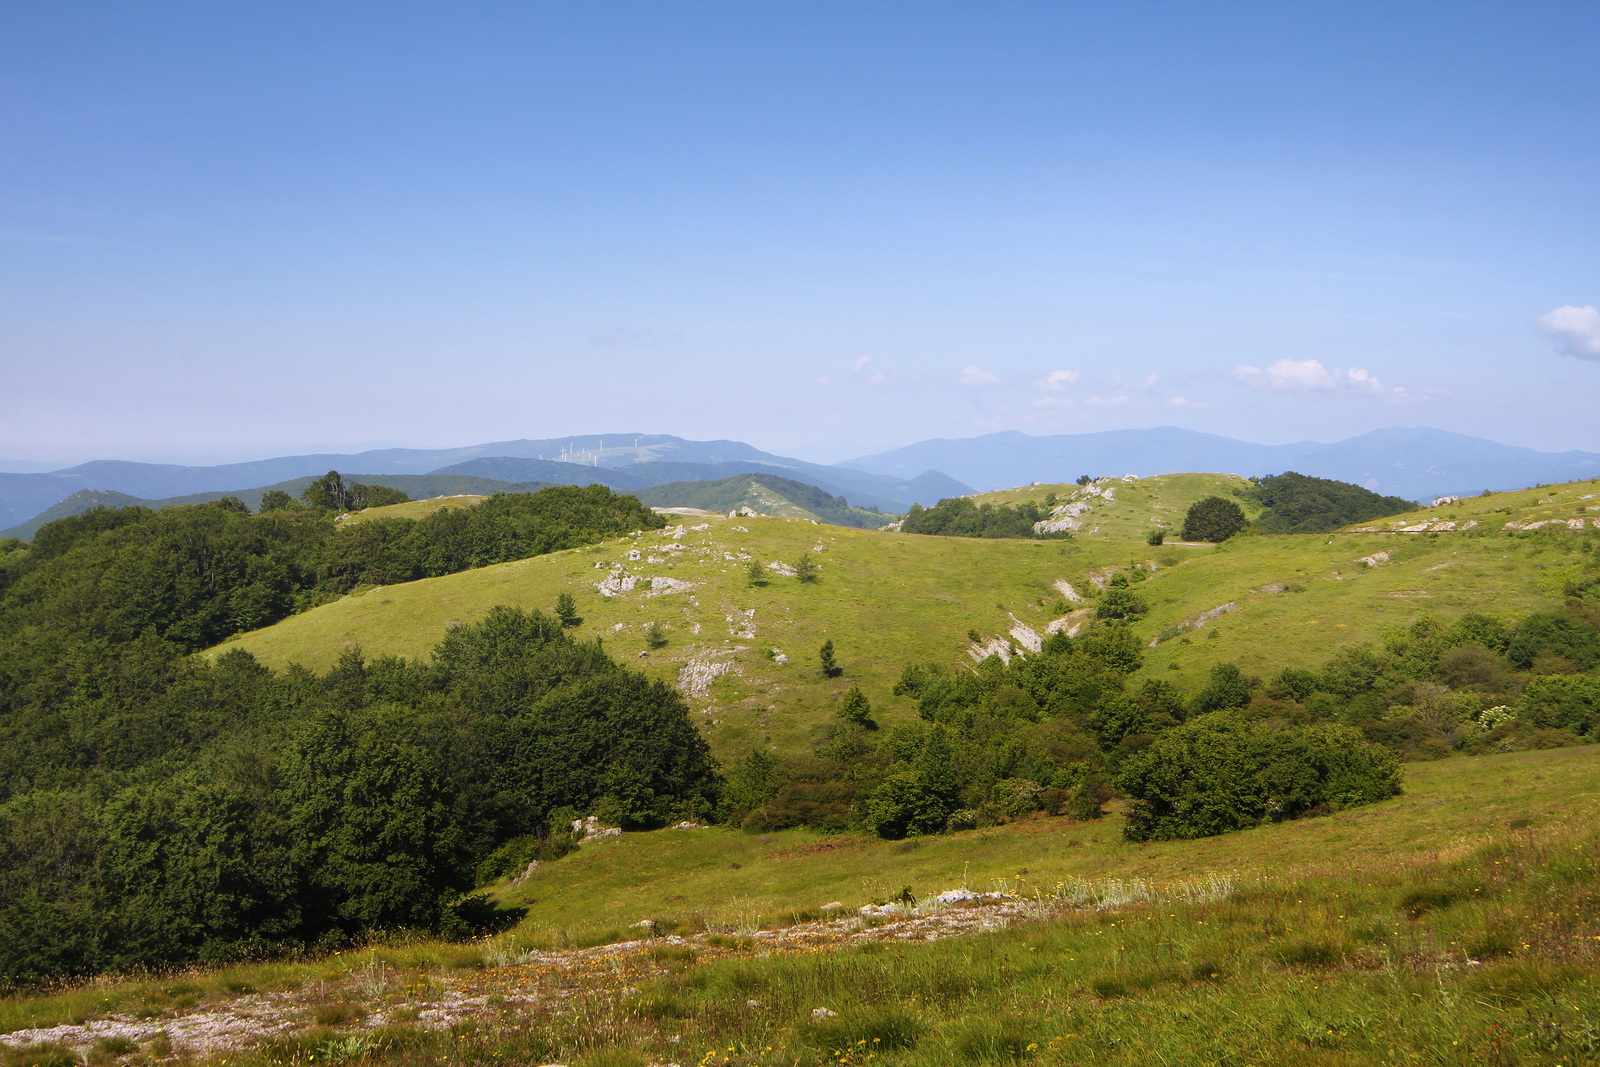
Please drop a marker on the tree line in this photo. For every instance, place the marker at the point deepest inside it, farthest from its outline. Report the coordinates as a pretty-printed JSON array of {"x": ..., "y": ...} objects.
[
  {"x": 961, "y": 516},
  {"x": 196, "y": 574}
]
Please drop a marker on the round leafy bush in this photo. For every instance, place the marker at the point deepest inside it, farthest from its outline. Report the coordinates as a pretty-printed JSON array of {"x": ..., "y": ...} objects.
[
  {"x": 1212, "y": 518},
  {"x": 1221, "y": 772}
]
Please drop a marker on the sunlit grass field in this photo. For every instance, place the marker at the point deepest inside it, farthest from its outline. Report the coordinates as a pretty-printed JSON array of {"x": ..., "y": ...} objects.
[
  {"x": 1458, "y": 923},
  {"x": 887, "y": 599}
]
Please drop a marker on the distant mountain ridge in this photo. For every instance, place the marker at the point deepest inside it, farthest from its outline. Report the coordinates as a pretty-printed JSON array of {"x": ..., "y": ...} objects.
[
  {"x": 624, "y": 461},
  {"x": 1415, "y": 463}
]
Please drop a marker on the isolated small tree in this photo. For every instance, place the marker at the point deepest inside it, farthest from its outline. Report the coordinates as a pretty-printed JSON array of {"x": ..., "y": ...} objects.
[
  {"x": 1156, "y": 536},
  {"x": 1084, "y": 479},
  {"x": 1213, "y": 519},
  {"x": 1120, "y": 602},
  {"x": 655, "y": 636},
  {"x": 754, "y": 573},
  {"x": 856, "y": 709},
  {"x": 567, "y": 610},
  {"x": 805, "y": 568},
  {"x": 830, "y": 666}
]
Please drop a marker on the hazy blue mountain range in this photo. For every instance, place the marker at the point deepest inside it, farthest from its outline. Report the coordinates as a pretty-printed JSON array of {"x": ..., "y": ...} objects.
[
  {"x": 625, "y": 462},
  {"x": 1418, "y": 464}
]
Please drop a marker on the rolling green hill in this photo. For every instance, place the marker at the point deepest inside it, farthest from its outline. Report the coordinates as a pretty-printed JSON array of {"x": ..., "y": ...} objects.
[
  {"x": 747, "y": 656},
  {"x": 1129, "y": 508},
  {"x": 882, "y": 598},
  {"x": 416, "y": 509}
]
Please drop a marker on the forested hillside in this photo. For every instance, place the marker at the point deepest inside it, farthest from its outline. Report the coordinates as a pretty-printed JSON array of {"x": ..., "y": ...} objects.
[
  {"x": 155, "y": 808},
  {"x": 1297, "y": 503},
  {"x": 156, "y": 811}
]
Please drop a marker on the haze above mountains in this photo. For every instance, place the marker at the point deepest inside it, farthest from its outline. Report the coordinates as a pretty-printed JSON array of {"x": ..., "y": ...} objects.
[{"x": 1415, "y": 463}]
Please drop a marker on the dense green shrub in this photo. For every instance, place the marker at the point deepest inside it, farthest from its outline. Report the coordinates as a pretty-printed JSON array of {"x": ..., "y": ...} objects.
[
  {"x": 1224, "y": 772},
  {"x": 1212, "y": 518},
  {"x": 1563, "y": 702},
  {"x": 1570, "y": 637}
]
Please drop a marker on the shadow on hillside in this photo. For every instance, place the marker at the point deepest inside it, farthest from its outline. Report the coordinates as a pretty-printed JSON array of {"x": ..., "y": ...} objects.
[{"x": 478, "y": 916}]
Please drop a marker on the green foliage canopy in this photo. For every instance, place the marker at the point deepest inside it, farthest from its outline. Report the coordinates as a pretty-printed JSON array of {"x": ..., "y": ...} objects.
[
  {"x": 961, "y": 516},
  {"x": 1299, "y": 503},
  {"x": 1213, "y": 518},
  {"x": 1222, "y": 772}
]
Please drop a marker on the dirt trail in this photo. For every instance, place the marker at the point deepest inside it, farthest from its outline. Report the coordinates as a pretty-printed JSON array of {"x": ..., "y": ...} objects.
[{"x": 542, "y": 982}]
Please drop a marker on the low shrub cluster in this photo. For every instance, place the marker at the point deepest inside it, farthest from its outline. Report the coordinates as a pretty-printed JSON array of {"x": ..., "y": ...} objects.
[{"x": 963, "y": 517}]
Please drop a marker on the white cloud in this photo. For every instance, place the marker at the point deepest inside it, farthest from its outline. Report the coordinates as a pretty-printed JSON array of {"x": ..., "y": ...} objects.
[
  {"x": 1058, "y": 379},
  {"x": 879, "y": 379},
  {"x": 975, "y": 375},
  {"x": 1309, "y": 375},
  {"x": 1105, "y": 401},
  {"x": 1576, "y": 329},
  {"x": 1054, "y": 402},
  {"x": 1288, "y": 376},
  {"x": 860, "y": 364},
  {"x": 1182, "y": 402}
]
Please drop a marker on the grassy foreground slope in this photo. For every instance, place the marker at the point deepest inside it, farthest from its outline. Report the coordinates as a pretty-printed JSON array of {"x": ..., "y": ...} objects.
[
  {"x": 722, "y": 878},
  {"x": 1458, "y": 924}
]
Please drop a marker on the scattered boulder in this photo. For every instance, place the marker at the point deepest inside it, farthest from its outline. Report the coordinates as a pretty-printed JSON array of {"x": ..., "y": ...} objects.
[{"x": 591, "y": 828}]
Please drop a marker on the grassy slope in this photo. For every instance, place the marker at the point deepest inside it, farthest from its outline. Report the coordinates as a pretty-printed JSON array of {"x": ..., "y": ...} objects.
[
  {"x": 719, "y": 877},
  {"x": 881, "y": 598},
  {"x": 1458, "y": 924},
  {"x": 886, "y": 599},
  {"x": 416, "y": 509},
  {"x": 1325, "y": 599},
  {"x": 1137, "y": 505}
]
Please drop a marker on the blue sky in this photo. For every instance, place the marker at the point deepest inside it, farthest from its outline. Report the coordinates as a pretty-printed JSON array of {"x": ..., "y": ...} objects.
[{"x": 243, "y": 229}]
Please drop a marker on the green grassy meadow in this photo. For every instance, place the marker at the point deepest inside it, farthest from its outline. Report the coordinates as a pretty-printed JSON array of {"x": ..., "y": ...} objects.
[
  {"x": 883, "y": 599},
  {"x": 1135, "y": 505},
  {"x": 723, "y": 878},
  {"x": 886, "y": 599},
  {"x": 417, "y": 509},
  {"x": 1456, "y": 924}
]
